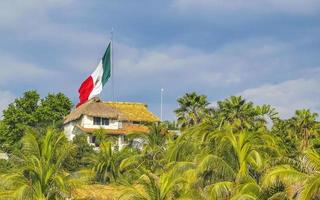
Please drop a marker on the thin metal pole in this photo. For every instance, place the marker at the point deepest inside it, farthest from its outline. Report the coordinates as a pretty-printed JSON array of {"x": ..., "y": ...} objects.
[
  {"x": 112, "y": 67},
  {"x": 161, "y": 102}
]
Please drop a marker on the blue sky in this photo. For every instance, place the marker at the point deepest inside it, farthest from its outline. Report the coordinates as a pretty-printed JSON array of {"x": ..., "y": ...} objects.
[{"x": 265, "y": 50}]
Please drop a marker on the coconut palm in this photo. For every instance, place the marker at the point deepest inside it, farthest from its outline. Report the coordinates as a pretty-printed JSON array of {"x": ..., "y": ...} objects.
[
  {"x": 154, "y": 144},
  {"x": 244, "y": 150},
  {"x": 244, "y": 153},
  {"x": 155, "y": 140},
  {"x": 228, "y": 190},
  {"x": 183, "y": 148},
  {"x": 149, "y": 186},
  {"x": 108, "y": 165},
  {"x": 301, "y": 183},
  {"x": 286, "y": 137},
  {"x": 38, "y": 172},
  {"x": 192, "y": 108},
  {"x": 227, "y": 162},
  {"x": 236, "y": 110},
  {"x": 306, "y": 126}
]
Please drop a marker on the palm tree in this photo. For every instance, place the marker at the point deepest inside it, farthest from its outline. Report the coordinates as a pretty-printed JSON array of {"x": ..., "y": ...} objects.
[
  {"x": 243, "y": 155},
  {"x": 154, "y": 144},
  {"x": 236, "y": 108},
  {"x": 249, "y": 190},
  {"x": 192, "y": 108},
  {"x": 155, "y": 140},
  {"x": 244, "y": 150},
  {"x": 287, "y": 139},
  {"x": 243, "y": 114},
  {"x": 38, "y": 172},
  {"x": 237, "y": 111},
  {"x": 305, "y": 125},
  {"x": 108, "y": 165},
  {"x": 149, "y": 186},
  {"x": 301, "y": 183},
  {"x": 227, "y": 162}
]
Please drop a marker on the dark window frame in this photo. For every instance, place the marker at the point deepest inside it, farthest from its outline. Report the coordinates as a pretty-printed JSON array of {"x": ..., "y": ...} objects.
[
  {"x": 96, "y": 120},
  {"x": 101, "y": 121},
  {"x": 105, "y": 121},
  {"x": 93, "y": 139}
]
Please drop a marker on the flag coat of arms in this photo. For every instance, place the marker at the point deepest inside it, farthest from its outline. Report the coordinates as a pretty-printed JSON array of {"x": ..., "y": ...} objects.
[{"x": 93, "y": 85}]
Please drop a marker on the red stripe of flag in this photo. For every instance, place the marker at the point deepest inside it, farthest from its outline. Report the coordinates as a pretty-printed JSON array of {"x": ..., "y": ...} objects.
[{"x": 85, "y": 90}]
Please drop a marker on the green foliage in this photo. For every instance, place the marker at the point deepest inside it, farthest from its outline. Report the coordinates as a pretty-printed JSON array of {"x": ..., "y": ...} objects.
[
  {"x": 303, "y": 183},
  {"x": 170, "y": 125},
  {"x": 53, "y": 108},
  {"x": 297, "y": 133},
  {"x": 38, "y": 172},
  {"x": 154, "y": 146},
  {"x": 305, "y": 126},
  {"x": 287, "y": 138},
  {"x": 235, "y": 150},
  {"x": 28, "y": 112},
  {"x": 109, "y": 165},
  {"x": 242, "y": 114},
  {"x": 17, "y": 117},
  {"x": 101, "y": 137},
  {"x": 82, "y": 149},
  {"x": 192, "y": 108}
]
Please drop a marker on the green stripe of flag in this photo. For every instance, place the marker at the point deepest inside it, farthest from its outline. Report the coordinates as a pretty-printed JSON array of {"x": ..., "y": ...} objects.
[{"x": 106, "y": 64}]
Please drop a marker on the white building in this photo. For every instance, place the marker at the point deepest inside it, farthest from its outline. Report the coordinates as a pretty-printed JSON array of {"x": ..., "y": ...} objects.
[{"x": 117, "y": 119}]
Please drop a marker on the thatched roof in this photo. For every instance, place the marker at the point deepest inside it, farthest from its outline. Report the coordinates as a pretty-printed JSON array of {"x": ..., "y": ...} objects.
[
  {"x": 95, "y": 107},
  {"x": 135, "y": 112},
  {"x": 126, "y": 129},
  {"x": 124, "y": 111}
]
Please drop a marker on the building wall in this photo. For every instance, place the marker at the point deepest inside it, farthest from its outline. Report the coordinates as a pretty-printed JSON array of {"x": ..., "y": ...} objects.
[
  {"x": 68, "y": 129},
  {"x": 87, "y": 122}
]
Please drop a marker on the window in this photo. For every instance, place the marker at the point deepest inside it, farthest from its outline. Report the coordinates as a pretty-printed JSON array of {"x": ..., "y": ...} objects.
[
  {"x": 105, "y": 121},
  {"x": 93, "y": 139},
  {"x": 96, "y": 120},
  {"x": 100, "y": 121}
]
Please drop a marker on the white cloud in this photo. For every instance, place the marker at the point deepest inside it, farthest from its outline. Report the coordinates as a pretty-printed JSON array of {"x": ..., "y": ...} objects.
[
  {"x": 232, "y": 64},
  {"x": 6, "y": 97},
  {"x": 14, "y": 12},
  {"x": 287, "y": 96},
  {"x": 255, "y": 6},
  {"x": 14, "y": 71}
]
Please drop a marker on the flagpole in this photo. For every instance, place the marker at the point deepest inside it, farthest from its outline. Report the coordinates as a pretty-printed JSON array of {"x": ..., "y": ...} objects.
[{"x": 112, "y": 68}]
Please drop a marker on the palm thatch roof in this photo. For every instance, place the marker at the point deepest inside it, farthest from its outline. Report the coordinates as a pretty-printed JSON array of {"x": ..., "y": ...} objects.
[
  {"x": 126, "y": 129},
  {"x": 123, "y": 111},
  {"x": 95, "y": 108},
  {"x": 135, "y": 112}
]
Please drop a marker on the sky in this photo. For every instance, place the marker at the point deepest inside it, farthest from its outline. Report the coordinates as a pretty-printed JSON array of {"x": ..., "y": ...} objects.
[{"x": 267, "y": 51}]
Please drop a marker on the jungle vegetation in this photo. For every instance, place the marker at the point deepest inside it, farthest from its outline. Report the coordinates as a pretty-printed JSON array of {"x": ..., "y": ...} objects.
[{"x": 234, "y": 150}]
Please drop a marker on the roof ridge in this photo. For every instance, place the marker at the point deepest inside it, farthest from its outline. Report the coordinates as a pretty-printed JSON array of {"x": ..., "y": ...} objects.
[{"x": 124, "y": 102}]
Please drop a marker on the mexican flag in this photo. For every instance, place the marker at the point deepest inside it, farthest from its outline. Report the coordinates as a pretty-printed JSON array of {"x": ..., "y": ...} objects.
[{"x": 92, "y": 86}]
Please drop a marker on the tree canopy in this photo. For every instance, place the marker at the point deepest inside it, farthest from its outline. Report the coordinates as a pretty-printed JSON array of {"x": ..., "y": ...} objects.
[{"x": 29, "y": 111}]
